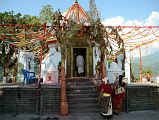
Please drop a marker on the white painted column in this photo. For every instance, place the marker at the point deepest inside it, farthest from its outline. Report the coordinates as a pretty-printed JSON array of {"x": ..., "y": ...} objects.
[
  {"x": 95, "y": 59},
  {"x": 94, "y": 62},
  {"x": 127, "y": 66},
  {"x": 54, "y": 55}
]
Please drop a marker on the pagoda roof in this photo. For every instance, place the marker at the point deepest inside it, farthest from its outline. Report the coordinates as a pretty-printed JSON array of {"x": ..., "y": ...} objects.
[{"x": 77, "y": 14}]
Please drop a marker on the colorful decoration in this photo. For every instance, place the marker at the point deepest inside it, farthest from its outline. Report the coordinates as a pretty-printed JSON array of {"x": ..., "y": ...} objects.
[
  {"x": 73, "y": 27},
  {"x": 135, "y": 36}
]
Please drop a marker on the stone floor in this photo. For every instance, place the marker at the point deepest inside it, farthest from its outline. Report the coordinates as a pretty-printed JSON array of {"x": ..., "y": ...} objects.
[{"x": 136, "y": 115}]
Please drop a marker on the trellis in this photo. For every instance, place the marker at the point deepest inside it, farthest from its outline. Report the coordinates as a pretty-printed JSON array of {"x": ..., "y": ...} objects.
[
  {"x": 26, "y": 38},
  {"x": 136, "y": 36}
]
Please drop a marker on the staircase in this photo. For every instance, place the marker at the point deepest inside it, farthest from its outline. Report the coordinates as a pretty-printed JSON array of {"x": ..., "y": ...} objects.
[{"x": 82, "y": 95}]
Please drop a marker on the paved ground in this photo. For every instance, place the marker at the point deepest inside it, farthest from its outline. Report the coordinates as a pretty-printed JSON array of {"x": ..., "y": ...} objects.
[{"x": 137, "y": 115}]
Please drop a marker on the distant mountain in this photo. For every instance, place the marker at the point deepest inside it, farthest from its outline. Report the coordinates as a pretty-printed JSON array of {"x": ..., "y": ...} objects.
[
  {"x": 136, "y": 69},
  {"x": 150, "y": 61},
  {"x": 155, "y": 68}
]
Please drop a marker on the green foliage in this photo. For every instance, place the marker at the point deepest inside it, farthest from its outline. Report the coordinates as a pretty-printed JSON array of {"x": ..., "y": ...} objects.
[
  {"x": 7, "y": 50},
  {"x": 20, "y": 67},
  {"x": 8, "y": 17},
  {"x": 147, "y": 71},
  {"x": 36, "y": 66},
  {"x": 11, "y": 18},
  {"x": 136, "y": 79},
  {"x": 46, "y": 14},
  {"x": 7, "y": 56},
  {"x": 28, "y": 19},
  {"x": 93, "y": 11}
]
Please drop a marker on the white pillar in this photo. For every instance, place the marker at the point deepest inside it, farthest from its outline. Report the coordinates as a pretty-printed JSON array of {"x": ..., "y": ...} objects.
[
  {"x": 95, "y": 59},
  {"x": 127, "y": 66},
  {"x": 94, "y": 62},
  {"x": 54, "y": 55}
]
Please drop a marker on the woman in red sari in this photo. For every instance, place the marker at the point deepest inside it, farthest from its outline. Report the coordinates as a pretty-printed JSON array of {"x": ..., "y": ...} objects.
[
  {"x": 105, "y": 103},
  {"x": 118, "y": 95}
]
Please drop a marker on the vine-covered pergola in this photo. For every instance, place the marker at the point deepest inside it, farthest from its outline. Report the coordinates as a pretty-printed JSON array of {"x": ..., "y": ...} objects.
[{"x": 136, "y": 37}]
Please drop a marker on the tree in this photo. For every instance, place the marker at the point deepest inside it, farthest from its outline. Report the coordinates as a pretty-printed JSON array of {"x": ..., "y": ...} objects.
[
  {"x": 7, "y": 53},
  {"x": 46, "y": 14},
  {"x": 28, "y": 19},
  {"x": 101, "y": 35},
  {"x": 9, "y": 32},
  {"x": 147, "y": 73}
]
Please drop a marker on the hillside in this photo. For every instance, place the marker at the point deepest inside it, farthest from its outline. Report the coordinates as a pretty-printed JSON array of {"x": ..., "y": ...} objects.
[
  {"x": 148, "y": 60},
  {"x": 151, "y": 61},
  {"x": 155, "y": 68},
  {"x": 136, "y": 69}
]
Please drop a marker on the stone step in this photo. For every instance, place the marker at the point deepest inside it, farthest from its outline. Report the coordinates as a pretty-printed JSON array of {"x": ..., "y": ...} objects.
[
  {"x": 88, "y": 91},
  {"x": 83, "y": 100},
  {"x": 81, "y": 88},
  {"x": 83, "y": 111},
  {"x": 76, "y": 83},
  {"x": 83, "y": 106},
  {"x": 82, "y": 95},
  {"x": 76, "y": 96},
  {"x": 82, "y": 92},
  {"x": 79, "y": 79}
]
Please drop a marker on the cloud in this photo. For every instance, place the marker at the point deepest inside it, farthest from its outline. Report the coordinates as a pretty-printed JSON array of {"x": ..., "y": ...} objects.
[
  {"x": 147, "y": 49},
  {"x": 119, "y": 20},
  {"x": 133, "y": 23},
  {"x": 151, "y": 20},
  {"x": 115, "y": 21}
]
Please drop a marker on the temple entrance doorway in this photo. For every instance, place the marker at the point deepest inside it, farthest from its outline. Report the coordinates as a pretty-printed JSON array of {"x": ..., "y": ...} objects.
[{"x": 81, "y": 51}]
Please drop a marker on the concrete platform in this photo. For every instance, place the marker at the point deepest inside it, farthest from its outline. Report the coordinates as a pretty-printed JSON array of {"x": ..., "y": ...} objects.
[{"x": 136, "y": 115}]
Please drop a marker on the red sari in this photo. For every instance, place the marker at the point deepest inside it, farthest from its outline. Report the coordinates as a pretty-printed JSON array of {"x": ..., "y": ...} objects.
[
  {"x": 118, "y": 100},
  {"x": 106, "y": 88},
  {"x": 105, "y": 104}
]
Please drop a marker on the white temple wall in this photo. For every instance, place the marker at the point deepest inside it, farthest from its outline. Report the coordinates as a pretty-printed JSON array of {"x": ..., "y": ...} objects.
[
  {"x": 95, "y": 59},
  {"x": 50, "y": 63},
  {"x": 127, "y": 67}
]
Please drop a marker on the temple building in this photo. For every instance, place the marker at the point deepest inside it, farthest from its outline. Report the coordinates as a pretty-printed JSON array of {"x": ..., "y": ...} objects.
[
  {"x": 90, "y": 53},
  {"x": 71, "y": 68}
]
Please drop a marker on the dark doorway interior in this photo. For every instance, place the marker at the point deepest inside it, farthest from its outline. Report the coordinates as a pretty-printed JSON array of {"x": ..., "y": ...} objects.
[{"x": 82, "y": 51}]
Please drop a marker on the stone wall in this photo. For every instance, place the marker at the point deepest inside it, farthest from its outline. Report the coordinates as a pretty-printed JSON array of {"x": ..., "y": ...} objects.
[
  {"x": 18, "y": 99},
  {"x": 142, "y": 97},
  {"x": 50, "y": 99},
  {"x": 25, "y": 99}
]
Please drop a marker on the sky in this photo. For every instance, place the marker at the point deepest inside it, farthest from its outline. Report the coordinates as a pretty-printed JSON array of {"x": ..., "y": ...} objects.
[
  {"x": 129, "y": 9},
  {"x": 112, "y": 12}
]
